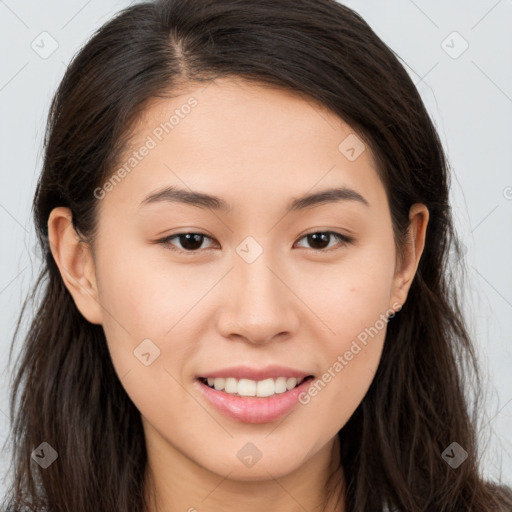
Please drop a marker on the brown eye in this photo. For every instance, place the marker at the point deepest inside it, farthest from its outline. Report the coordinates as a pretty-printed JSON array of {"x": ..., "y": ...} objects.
[
  {"x": 320, "y": 240},
  {"x": 190, "y": 242}
]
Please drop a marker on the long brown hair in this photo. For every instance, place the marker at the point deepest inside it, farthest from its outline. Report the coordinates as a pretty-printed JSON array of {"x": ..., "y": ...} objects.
[{"x": 65, "y": 390}]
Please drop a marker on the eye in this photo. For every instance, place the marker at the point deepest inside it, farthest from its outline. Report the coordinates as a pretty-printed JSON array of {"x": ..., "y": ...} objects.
[
  {"x": 192, "y": 242},
  {"x": 323, "y": 238}
]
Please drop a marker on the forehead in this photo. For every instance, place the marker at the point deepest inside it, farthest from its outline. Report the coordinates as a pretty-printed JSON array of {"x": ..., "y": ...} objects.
[{"x": 231, "y": 136}]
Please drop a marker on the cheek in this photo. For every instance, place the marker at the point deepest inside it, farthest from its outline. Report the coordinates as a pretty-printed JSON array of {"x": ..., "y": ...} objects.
[
  {"x": 354, "y": 305},
  {"x": 333, "y": 397},
  {"x": 350, "y": 359},
  {"x": 353, "y": 294},
  {"x": 141, "y": 305},
  {"x": 147, "y": 296}
]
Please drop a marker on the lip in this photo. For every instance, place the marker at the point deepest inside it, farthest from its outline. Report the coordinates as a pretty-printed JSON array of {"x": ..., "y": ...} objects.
[
  {"x": 246, "y": 372},
  {"x": 253, "y": 409}
]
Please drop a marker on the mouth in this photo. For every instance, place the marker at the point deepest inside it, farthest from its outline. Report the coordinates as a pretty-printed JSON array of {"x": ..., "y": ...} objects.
[
  {"x": 252, "y": 388},
  {"x": 262, "y": 401}
]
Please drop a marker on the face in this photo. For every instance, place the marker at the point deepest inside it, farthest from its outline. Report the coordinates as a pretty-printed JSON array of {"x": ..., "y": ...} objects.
[{"x": 261, "y": 281}]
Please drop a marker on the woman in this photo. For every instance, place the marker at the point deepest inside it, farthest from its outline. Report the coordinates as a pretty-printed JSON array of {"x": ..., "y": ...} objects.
[{"x": 247, "y": 298}]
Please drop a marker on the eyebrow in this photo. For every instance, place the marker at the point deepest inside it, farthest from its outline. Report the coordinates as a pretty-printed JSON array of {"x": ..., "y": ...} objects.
[{"x": 201, "y": 200}]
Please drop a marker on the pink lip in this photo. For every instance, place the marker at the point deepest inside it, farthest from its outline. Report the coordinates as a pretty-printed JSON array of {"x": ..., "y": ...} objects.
[
  {"x": 253, "y": 409},
  {"x": 245, "y": 372}
]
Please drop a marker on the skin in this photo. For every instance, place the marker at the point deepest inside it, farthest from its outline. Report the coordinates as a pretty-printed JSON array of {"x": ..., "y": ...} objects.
[{"x": 258, "y": 148}]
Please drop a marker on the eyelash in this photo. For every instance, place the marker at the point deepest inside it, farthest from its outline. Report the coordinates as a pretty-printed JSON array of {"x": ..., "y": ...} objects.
[{"x": 344, "y": 239}]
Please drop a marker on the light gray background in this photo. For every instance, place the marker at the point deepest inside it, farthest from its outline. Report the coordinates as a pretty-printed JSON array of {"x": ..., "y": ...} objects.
[{"x": 469, "y": 96}]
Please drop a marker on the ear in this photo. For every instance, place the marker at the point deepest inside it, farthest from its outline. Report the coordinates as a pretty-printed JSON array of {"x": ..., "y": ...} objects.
[
  {"x": 407, "y": 265},
  {"x": 75, "y": 262}
]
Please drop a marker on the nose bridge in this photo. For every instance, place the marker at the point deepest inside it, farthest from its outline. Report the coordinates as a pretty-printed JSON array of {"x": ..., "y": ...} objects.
[{"x": 261, "y": 303}]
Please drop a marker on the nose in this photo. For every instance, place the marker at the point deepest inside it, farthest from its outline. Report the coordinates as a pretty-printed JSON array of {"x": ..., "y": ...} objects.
[{"x": 261, "y": 304}]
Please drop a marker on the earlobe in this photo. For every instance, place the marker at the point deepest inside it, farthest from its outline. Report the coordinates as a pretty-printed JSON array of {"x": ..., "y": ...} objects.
[
  {"x": 408, "y": 265},
  {"x": 76, "y": 265}
]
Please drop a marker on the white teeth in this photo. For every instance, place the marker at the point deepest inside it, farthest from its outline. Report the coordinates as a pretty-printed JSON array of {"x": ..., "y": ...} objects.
[
  {"x": 265, "y": 387},
  {"x": 231, "y": 385},
  {"x": 219, "y": 384},
  {"x": 247, "y": 387},
  {"x": 280, "y": 385},
  {"x": 291, "y": 383},
  {"x": 244, "y": 387}
]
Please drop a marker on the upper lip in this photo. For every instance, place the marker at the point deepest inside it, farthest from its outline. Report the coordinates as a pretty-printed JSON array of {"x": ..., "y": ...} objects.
[{"x": 246, "y": 372}]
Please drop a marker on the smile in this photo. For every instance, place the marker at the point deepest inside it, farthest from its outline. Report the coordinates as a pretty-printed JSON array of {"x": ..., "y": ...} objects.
[
  {"x": 253, "y": 408},
  {"x": 248, "y": 387}
]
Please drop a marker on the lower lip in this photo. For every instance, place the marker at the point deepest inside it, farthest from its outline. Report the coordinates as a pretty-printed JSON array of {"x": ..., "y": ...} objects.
[{"x": 253, "y": 409}]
